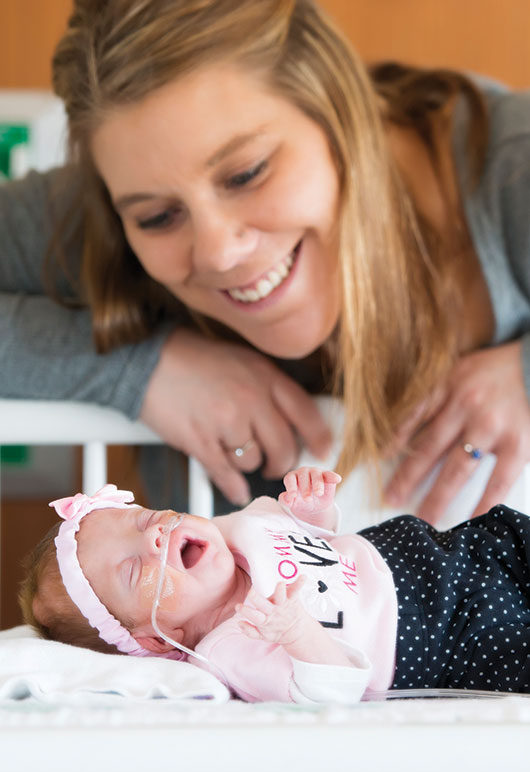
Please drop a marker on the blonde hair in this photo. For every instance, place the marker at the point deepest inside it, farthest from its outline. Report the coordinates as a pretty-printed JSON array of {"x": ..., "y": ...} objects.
[
  {"x": 47, "y": 607},
  {"x": 395, "y": 338}
]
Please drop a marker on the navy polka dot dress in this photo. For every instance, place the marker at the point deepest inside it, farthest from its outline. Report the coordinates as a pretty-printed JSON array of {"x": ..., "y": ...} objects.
[{"x": 463, "y": 601}]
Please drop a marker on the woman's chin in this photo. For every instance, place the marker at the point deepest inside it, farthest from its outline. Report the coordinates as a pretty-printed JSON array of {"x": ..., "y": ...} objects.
[
  {"x": 296, "y": 338},
  {"x": 288, "y": 347}
]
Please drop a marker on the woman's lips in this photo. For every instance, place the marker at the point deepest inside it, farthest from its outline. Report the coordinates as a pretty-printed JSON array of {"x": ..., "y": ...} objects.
[{"x": 267, "y": 283}]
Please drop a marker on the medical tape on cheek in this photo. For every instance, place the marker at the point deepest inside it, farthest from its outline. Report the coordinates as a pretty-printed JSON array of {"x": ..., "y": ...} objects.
[
  {"x": 150, "y": 575},
  {"x": 161, "y": 591},
  {"x": 149, "y": 580}
]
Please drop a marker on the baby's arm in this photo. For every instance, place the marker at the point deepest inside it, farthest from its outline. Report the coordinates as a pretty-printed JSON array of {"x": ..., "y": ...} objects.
[
  {"x": 281, "y": 619},
  {"x": 309, "y": 494}
]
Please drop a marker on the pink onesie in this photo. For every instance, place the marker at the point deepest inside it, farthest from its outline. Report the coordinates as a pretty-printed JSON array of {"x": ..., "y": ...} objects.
[{"x": 348, "y": 589}]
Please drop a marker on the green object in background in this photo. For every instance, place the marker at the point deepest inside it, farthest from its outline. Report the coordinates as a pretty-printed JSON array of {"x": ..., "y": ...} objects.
[
  {"x": 14, "y": 454},
  {"x": 10, "y": 136}
]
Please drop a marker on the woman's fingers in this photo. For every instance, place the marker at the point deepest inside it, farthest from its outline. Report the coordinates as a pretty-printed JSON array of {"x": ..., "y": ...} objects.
[
  {"x": 418, "y": 417},
  {"x": 510, "y": 463},
  {"x": 457, "y": 468},
  {"x": 426, "y": 450},
  {"x": 301, "y": 410},
  {"x": 219, "y": 467},
  {"x": 231, "y": 409},
  {"x": 264, "y": 416},
  {"x": 277, "y": 440},
  {"x": 246, "y": 455},
  {"x": 486, "y": 411}
]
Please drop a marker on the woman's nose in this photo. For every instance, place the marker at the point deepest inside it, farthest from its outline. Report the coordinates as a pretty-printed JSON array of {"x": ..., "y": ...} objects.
[{"x": 222, "y": 242}]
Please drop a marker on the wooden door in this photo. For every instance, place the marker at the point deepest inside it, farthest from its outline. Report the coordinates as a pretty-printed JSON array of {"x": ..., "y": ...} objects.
[
  {"x": 484, "y": 36},
  {"x": 487, "y": 36}
]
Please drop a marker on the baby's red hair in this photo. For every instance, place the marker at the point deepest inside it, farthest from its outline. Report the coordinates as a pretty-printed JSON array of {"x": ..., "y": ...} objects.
[{"x": 46, "y": 605}]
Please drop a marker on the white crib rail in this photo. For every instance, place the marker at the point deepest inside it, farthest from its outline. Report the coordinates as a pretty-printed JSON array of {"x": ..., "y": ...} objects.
[
  {"x": 39, "y": 422},
  {"x": 43, "y": 422}
]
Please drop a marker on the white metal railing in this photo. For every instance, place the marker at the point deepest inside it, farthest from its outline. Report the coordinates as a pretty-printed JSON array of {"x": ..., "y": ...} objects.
[
  {"x": 39, "y": 422},
  {"x": 43, "y": 422}
]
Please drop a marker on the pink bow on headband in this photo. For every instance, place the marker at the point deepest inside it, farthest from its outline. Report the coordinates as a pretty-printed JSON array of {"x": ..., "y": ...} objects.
[{"x": 76, "y": 507}]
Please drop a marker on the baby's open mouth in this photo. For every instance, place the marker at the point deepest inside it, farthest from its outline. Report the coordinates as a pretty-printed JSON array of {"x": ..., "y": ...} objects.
[
  {"x": 191, "y": 552},
  {"x": 263, "y": 287}
]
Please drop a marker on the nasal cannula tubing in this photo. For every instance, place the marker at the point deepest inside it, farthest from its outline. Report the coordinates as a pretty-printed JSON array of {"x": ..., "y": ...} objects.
[{"x": 166, "y": 532}]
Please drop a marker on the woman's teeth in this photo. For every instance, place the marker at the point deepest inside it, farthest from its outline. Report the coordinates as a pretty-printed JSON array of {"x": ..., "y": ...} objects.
[{"x": 266, "y": 284}]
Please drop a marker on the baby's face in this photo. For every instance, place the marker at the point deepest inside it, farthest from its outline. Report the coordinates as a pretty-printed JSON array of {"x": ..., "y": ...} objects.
[{"x": 119, "y": 551}]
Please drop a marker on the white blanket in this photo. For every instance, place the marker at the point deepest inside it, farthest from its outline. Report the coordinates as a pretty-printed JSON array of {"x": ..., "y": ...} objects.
[{"x": 56, "y": 672}]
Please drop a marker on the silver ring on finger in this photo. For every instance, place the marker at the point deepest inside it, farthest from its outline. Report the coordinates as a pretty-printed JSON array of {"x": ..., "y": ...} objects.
[
  {"x": 242, "y": 449},
  {"x": 472, "y": 451}
]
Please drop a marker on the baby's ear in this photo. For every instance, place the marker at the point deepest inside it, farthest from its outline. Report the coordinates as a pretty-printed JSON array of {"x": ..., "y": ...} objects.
[{"x": 158, "y": 645}]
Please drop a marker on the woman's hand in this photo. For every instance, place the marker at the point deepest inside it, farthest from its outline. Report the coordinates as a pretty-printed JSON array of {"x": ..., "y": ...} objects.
[
  {"x": 209, "y": 398},
  {"x": 484, "y": 404}
]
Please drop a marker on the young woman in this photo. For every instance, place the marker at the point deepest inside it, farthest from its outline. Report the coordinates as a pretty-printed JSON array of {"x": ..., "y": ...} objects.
[{"x": 243, "y": 189}]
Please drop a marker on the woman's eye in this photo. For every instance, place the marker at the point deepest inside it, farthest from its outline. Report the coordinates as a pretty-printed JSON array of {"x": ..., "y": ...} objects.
[
  {"x": 159, "y": 221},
  {"x": 243, "y": 178}
]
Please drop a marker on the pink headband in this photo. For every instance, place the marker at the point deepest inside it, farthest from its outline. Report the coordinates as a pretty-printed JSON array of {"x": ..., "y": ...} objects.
[{"x": 73, "y": 509}]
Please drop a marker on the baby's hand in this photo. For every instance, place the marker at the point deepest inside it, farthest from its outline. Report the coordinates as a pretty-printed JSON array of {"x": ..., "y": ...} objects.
[
  {"x": 309, "y": 490},
  {"x": 279, "y": 619}
]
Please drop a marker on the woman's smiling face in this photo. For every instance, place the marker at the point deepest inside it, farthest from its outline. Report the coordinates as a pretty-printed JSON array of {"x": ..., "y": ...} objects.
[{"x": 229, "y": 197}]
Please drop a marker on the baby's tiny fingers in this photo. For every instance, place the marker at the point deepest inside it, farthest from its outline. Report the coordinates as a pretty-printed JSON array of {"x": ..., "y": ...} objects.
[
  {"x": 332, "y": 477},
  {"x": 252, "y": 615},
  {"x": 248, "y": 630},
  {"x": 291, "y": 483},
  {"x": 304, "y": 483},
  {"x": 287, "y": 498},
  {"x": 259, "y": 602},
  {"x": 293, "y": 589},
  {"x": 280, "y": 594},
  {"x": 317, "y": 482}
]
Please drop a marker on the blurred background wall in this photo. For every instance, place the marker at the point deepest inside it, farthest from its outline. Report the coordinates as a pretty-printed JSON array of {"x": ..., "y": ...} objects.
[{"x": 488, "y": 36}]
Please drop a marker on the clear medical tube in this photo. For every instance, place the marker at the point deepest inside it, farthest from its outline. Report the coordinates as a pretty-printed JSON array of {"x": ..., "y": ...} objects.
[
  {"x": 396, "y": 694},
  {"x": 166, "y": 532}
]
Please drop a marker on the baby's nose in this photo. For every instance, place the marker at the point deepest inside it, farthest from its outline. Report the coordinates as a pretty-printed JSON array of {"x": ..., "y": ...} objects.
[{"x": 154, "y": 536}]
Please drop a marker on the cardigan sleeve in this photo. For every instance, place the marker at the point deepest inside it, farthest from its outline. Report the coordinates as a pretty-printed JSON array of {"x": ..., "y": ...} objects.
[{"x": 46, "y": 349}]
